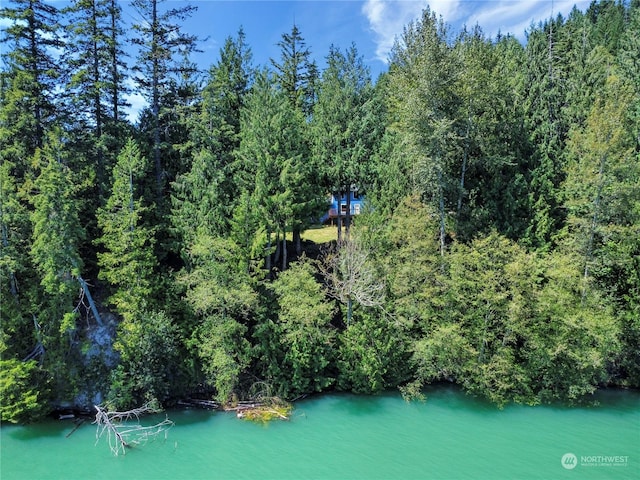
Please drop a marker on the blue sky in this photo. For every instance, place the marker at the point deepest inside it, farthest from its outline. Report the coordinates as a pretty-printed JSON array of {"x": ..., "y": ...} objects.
[{"x": 371, "y": 24}]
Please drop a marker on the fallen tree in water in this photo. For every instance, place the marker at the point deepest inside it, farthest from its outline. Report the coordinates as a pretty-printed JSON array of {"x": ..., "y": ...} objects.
[
  {"x": 262, "y": 412},
  {"x": 263, "y": 406},
  {"x": 124, "y": 430}
]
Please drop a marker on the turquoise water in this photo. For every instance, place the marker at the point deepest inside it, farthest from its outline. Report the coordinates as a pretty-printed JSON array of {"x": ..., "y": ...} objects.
[{"x": 451, "y": 436}]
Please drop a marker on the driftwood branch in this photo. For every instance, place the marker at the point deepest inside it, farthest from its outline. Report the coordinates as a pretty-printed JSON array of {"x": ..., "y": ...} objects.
[{"x": 123, "y": 429}]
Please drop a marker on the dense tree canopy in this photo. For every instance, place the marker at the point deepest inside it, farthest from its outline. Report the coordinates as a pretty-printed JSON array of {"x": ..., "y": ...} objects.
[{"x": 498, "y": 246}]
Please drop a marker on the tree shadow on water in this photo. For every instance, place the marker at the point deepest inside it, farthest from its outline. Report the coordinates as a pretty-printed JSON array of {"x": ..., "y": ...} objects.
[{"x": 34, "y": 431}]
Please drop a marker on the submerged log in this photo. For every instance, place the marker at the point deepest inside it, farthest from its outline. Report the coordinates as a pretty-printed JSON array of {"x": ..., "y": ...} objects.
[
  {"x": 78, "y": 425},
  {"x": 200, "y": 403}
]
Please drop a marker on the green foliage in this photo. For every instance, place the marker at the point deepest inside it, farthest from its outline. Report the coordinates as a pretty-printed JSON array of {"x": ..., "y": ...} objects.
[
  {"x": 204, "y": 197},
  {"x": 372, "y": 355},
  {"x": 17, "y": 278},
  {"x": 164, "y": 76},
  {"x": 220, "y": 293},
  {"x": 499, "y": 249},
  {"x": 307, "y": 339},
  {"x": 225, "y": 353},
  {"x": 272, "y": 162},
  {"x": 95, "y": 84},
  {"x": 346, "y": 123},
  {"x": 413, "y": 266},
  {"x": 56, "y": 226},
  {"x": 569, "y": 352},
  {"x": 296, "y": 73},
  {"x": 127, "y": 262},
  {"x": 150, "y": 367},
  {"x": 32, "y": 75},
  {"x": 23, "y": 391},
  {"x": 444, "y": 355}
]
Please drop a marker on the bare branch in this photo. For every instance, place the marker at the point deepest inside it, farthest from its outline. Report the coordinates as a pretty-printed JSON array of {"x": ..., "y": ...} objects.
[
  {"x": 351, "y": 276},
  {"x": 123, "y": 429}
]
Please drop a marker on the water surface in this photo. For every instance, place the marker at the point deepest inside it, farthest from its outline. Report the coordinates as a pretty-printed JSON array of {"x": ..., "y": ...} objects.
[{"x": 450, "y": 436}]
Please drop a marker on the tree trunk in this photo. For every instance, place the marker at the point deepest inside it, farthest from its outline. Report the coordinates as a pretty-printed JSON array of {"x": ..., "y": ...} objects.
[
  {"x": 339, "y": 218},
  {"x": 114, "y": 62},
  {"x": 276, "y": 256},
  {"x": 297, "y": 240},
  {"x": 155, "y": 107},
  {"x": 349, "y": 310},
  {"x": 284, "y": 247},
  {"x": 441, "y": 211},
  {"x": 463, "y": 170},
  {"x": 267, "y": 257},
  {"x": 347, "y": 226},
  {"x": 13, "y": 286},
  {"x": 594, "y": 224},
  {"x": 92, "y": 304},
  {"x": 97, "y": 105}
]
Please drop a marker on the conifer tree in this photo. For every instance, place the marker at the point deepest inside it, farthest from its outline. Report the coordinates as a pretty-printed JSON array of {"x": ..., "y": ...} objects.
[
  {"x": 425, "y": 100},
  {"x": 57, "y": 233},
  {"x": 548, "y": 132},
  {"x": 95, "y": 56},
  {"x": 297, "y": 76},
  {"x": 304, "y": 332},
  {"x": 159, "y": 41},
  {"x": 31, "y": 79},
  {"x": 127, "y": 263},
  {"x": 203, "y": 198},
  {"x": 346, "y": 125},
  {"x": 17, "y": 275},
  {"x": 492, "y": 141},
  {"x": 296, "y": 73},
  {"x": 270, "y": 158},
  {"x": 220, "y": 294}
]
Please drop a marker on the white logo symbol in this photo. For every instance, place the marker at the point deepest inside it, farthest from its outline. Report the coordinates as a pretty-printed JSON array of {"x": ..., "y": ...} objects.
[{"x": 569, "y": 461}]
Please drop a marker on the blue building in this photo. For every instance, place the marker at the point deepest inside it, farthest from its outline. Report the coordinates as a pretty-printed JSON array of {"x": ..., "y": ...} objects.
[{"x": 339, "y": 208}]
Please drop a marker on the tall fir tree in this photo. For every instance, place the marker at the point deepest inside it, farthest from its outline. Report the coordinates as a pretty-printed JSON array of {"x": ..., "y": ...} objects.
[
  {"x": 492, "y": 142},
  {"x": 31, "y": 78},
  {"x": 346, "y": 125},
  {"x": 159, "y": 40},
  {"x": 297, "y": 76},
  {"x": 425, "y": 102},
  {"x": 548, "y": 132},
  {"x": 270, "y": 157},
  {"x": 57, "y": 233},
  {"x": 127, "y": 263},
  {"x": 96, "y": 58},
  {"x": 204, "y": 197}
]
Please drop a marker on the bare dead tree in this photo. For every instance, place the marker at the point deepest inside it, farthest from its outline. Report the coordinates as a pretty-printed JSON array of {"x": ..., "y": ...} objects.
[
  {"x": 124, "y": 430},
  {"x": 351, "y": 277}
]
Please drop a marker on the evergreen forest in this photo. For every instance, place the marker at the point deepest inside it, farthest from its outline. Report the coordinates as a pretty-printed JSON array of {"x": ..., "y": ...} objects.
[{"x": 147, "y": 261}]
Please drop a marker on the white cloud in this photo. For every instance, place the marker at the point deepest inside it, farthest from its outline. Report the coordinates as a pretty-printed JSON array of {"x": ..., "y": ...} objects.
[
  {"x": 387, "y": 18},
  {"x": 516, "y": 16}
]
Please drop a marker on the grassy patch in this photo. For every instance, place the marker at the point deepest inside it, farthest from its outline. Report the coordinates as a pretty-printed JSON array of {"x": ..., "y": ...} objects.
[{"x": 320, "y": 234}]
